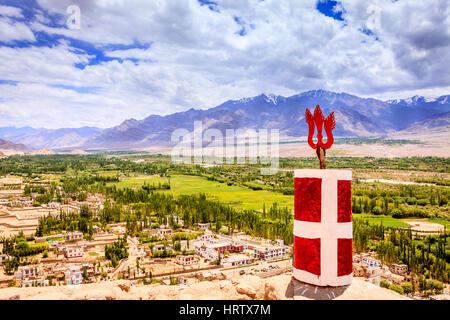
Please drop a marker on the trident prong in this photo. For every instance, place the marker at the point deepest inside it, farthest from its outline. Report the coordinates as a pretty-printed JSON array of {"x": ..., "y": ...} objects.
[{"x": 319, "y": 121}]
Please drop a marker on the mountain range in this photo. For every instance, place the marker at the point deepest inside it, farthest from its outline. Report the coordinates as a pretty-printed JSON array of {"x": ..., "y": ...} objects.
[{"x": 355, "y": 117}]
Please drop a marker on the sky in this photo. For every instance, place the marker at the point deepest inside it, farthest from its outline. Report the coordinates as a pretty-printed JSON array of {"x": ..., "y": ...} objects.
[{"x": 121, "y": 59}]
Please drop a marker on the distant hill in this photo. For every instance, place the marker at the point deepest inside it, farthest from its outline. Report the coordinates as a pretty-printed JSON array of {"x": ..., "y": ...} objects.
[
  {"x": 355, "y": 117},
  {"x": 48, "y": 138},
  {"x": 9, "y": 148},
  {"x": 44, "y": 151}
]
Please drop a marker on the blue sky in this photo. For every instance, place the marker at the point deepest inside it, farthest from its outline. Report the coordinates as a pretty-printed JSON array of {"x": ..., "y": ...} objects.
[{"x": 135, "y": 58}]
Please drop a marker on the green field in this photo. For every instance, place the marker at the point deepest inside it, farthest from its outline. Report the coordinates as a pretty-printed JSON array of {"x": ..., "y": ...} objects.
[
  {"x": 242, "y": 197},
  {"x": 239, "y": 197},
  {"x": 388, "y": 221}
]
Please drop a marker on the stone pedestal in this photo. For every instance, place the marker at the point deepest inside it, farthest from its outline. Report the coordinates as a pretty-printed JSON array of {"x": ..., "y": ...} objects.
[{"x": 323, "y": 227}]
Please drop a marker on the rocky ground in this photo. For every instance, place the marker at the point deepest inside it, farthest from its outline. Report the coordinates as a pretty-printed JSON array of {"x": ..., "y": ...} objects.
[{"x": 280, "y": 287}]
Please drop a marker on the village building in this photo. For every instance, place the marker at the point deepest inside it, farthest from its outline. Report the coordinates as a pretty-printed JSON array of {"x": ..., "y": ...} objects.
[
  {"x": 158, "y": 247},
  {"x": 35, "y": 283},
  {"x": 53, "y": 205},
  {"x": 206, "y": 237},
  {"x": 187, "y": 260},
  {"x": 75, "y": 235},
  {"x": 237, "y": 260},
  {"x": 53, "y": 244},
  {"x": 26, "y": 272},
  {"x": 73, "y": 252},
  {"x": 97, "y": 230},
  {"x": 140, "y": 250},
  {"x": 203, "y": 225},
  {"x": 371, "y": 262},
  {"x": 400, "y": 269},
  {"x": 74, "y": 275},
  {"x": 25, "y": 202},
  {"x": 89, "y": 271},
  {"x": 162, "y": 233},
  {"x": 270, "y": 252},
  {"x": 209, "y": 254},
  {"x": 4, "y": 257}
]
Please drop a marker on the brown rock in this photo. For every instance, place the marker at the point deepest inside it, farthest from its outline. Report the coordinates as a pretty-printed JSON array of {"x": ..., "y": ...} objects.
[
  {"x": 125, "y": 287},
  {"x": 245, "y": 288},
  {"x": 270, "y": 292}
]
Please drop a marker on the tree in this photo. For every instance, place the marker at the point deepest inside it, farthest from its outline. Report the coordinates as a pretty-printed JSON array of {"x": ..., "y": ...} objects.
[
  {"x": 11, "y": 265},
  {"x": 85, "y": 275},
  {"x": 384, "y": 284},
  {"x": 377, "y": 210},
  {"x": 396, "y": 288},
  {"x": 407, "y": 287}
]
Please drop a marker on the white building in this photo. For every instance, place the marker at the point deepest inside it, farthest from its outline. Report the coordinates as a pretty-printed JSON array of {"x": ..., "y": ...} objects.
[
  {"x": 371, "y": 262},
  {"x": 237, "y": 260},
  {"x": 187, "y": 260},
  {"x": 158, "y": 248},
  {"x": 74, "y": 275},
  {"x": 4, "y": 257},
  {"x": 73, "y": 252},
  {"x": 34, "y": 283},
  {"x": 162, "y": 233},
  {"x": 203, "y": 225},
  {"x": 270, "y": 252},
  {"x": 75, "y": 235},
  {"x": 53, "y": 205},
  {"x": 29, "y": 272},
  {"x": 206, "y": 237}
]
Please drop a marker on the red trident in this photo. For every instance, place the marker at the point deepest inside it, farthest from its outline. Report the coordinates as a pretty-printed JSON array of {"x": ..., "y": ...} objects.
[{"x": 318, "y": 120}]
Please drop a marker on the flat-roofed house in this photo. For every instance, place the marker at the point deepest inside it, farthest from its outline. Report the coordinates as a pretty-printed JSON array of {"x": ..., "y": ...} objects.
[
  {"x": 162, "y": 233},
  {"x": 237, "y": 260},
  {"x": 371, "y": 262},
  {"x": 399, "y": 268},
  {"x": 75, "y": 235},
  {"x": 206, "y": 237},
  {"x": 73, "y": 252},
  {"x": 203, "y": 225},
  {"x": 270, "y": 252},
  {"x": 74, "y": 275},
  {"x": 27, "y": 272},
  {"x": 35, "y": 283},
  {"x": 187, "y": 260}
]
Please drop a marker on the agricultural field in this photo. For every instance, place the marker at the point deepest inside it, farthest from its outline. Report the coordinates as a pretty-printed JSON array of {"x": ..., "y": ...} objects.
[
  {"x": 389, "y": 221},
  {"x": 236, "y": 196}
]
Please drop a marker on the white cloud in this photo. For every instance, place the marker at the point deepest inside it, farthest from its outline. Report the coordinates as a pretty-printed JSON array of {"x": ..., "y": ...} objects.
[
  {"x": 11, "y": 30},
  {"x": 198, "y": 59},
  {"x": 8, "y": 11}
]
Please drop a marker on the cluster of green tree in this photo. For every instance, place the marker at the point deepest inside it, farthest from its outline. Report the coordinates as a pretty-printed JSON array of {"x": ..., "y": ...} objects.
[
  {"x": 46, "y": 193},
  {"x": 66, "y": 221},
  {"x": 373, "y": 140},
  {"x": 146, "y": 206},
  {"x": 430, "y": 164},
  {"x": 435, "y": 180},
  {"x": 117, "y": 251},
  {"x": 17, "y": 247},
  {"x": 427, "y": 256},
  {"x": 401, "y": 201},
  {"x": 156, "y": 186}
]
